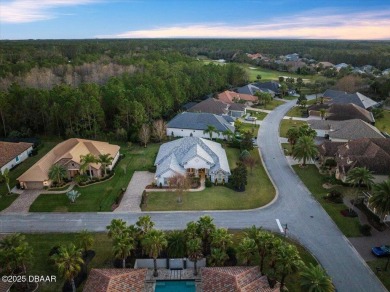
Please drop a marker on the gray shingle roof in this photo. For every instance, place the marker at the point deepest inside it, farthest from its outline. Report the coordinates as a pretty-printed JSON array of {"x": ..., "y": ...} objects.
[
  {"x": 340, "y": 112},
  {"x": 349, "y": 130},
  {"x": 248, "y": 89},
  {"x": 344, "y": 98},
  {"x": 271, "y": 85},
  {"x": 199, "y": 121},
  {"x": 173, "y": 155},
  {"x": 210, "y": 105}
]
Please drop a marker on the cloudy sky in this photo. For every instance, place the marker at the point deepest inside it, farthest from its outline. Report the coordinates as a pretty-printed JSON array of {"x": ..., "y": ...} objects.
[{"x": 319, "y": 19}]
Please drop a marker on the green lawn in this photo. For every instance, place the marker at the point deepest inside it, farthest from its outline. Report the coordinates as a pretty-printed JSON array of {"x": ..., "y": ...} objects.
[
  {"x": 287, "y": 124},
  {"x": 266, "y": 74},
  {"x": 384, "y": 276},
  {"x": 296, "y": 111},
  {"x": 313, "y": 181},
  {"x": 5, "y": 201},
  {"x": 287, "y": 148},
  {"x": 259, "y": 192},
  {"x": 270, "y": 105},
  {"x": 42, "y": 244},
  {"x": 246, "y": 127},
  {"x": 259, "y": 115},
  {"x": 100, "y": 197},
  {"x": 383, "y": 124}
]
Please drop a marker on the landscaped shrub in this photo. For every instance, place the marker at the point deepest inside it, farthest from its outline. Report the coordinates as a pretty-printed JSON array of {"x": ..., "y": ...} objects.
[
  {"x": 330, "y": 163},
  {"x": 365, "y": 229},
  {"x": 144, "y": 199},
  {"x": 348, "y": 213},
  {"x": 208, "y": 183},
  {"x": 152, "y": 169},
  {"x": 334, "y": 196}
]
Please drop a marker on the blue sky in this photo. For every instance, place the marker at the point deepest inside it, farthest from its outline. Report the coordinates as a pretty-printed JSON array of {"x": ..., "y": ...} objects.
[{"x": 57, "y": 19}]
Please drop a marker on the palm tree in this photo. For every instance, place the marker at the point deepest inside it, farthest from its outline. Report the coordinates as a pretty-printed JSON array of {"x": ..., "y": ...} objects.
[
  {"x": 153, "y": 243},
  {"x": 221, "y": 239},
  {"x": 23, "y": 254},
  {"x": 86, "y": 161},
  {"x": 145, "y": 224},
  {"x": 218, "y": 257},
  {"x": 176, "y": 244},
  {"x": 192, "y": 230},
  {"x": 380, "y": 200},
  {"x": 210, "y": 130},
  {"x": 205, "y": 228},
  {"x": 360, "y": 175},
  {"x": 194, "y": 252},
  {"x": 116, "y": 228},
  {"x": 228, "y": 134},
  {"x": 263, "y": 240},
  {"x": 122, "y": 247},
  {"x": 57, "y": 173},
  {"x": 289, "y": 262},
  {"x": 314, "y": 279},
  {"x": 5, "y": 175},
  {"x": 246, "y": 250},
  {"x": 322, "y": 113},
  {"x": 305, "y": 149},
  {"x": 68, "y": 261},
  {"x": 104, "y": 160},
  {"x": 292, "y": 136},
  {"x": 85, "y": 240},
  {"x": 73, "y": 195},
  {"x": 8, "y": 247}
]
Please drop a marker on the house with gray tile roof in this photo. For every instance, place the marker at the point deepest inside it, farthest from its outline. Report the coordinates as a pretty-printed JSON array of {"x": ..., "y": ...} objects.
[
  {"x": 270, "y": 86},
  {"x": 342, "y": 97},
  {"x": 253, "y": 88},
  {"x": 191, "y": 156},
  {"x": 210, "y": 105},
  {"x": 189, "y": 124},
  {"x": 344, "y": 131}
]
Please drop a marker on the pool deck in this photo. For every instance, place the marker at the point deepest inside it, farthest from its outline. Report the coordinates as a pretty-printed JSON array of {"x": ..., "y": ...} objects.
[{"x": 166, "y": 274}]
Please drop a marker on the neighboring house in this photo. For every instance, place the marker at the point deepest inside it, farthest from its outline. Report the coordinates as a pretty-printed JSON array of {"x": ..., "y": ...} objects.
[
  {"x": 325, "y": 64},
  {"x": 230, "y": 97},
  {"x": 192, "y": 156},
  {"x": 116, "y": 280},
  {"x": 270, "y": 85},
  {"x": 210, "y": 105},
  {"x": 188, "y": 124},
  {"x": 344, "y": 131},
  {"x": 342, "y": 97},
  {"x": 374, "y": 154},
  {"x": 188, "y": 105},
  {"x": 292, "y": 57},
  {"x": 327, "y": 150},
  {"x": 68, "y": 153},
  {"x": 341, "y": 66},
  {"x": 342, "y": 112},
  {"x": 251, "y": 89},
  {"x": 293, "y": 66},
  {"x": 254, "y": 56},
  {"x": 235, "y": 279},
  {"x": 11, "y": 154},
  {"x": 237, "y": 110}
]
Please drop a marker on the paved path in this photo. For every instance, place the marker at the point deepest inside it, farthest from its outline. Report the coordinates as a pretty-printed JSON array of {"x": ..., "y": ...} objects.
[
  {"x": 307, "y": 221},
  {"x": 23, "y": 202},
  {"x": 131, "y": 200}
]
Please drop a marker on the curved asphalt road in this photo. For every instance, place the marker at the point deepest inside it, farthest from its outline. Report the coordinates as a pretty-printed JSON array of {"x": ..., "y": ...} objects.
[{"x": 307, "y": 221}]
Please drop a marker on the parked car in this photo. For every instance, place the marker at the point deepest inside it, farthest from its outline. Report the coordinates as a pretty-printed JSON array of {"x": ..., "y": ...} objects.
[
  {"x": 251, "y": 119},
  {"x": 381, "y": 251}
]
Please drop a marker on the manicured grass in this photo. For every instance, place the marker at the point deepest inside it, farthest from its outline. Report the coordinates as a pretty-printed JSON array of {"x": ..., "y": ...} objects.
[
  {"x": 287, "y": 148},
  {"x": 100, "y": 197},
  {"x": 270, "y": 105},
  {"x": 43, "y": 243},
  {"x": 259, "y": 115},
  {"x": 259, "y": 192},
  {"x": 383, "y": 124},
  {"x": 287, "y": 124},
  {"x": 313, "y": 181},
  {"x": 246, "y": 127},
  {"x": 266, "y": 74},
  {"x": 296, "y": 111},
  {"x": 6, "y": 200},
  {"x": 383, "y": 275},
  {"x": 290, "y": 97}
]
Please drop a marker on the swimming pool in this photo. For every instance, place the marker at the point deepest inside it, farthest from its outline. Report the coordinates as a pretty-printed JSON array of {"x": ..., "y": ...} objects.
[{"x": 175, "y": 286}]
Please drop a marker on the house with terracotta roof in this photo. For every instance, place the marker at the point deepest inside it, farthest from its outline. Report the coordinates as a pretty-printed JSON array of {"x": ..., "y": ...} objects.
[
  {"x": 68, "y": 153},
  {"x": 191, "y": 156},
  {"x": 116, "y": 280},
  {"x": 11, "y": 154},
  {"x": 235, "y": 279},
  {"x": 234, "y": 97},
  {"x": 344, "y": 131}
]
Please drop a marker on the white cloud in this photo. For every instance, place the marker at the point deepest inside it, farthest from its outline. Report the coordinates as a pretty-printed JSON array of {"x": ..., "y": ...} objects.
[
  {"x": 22, "y": 11},
  {"x": 324, "y": 24}
]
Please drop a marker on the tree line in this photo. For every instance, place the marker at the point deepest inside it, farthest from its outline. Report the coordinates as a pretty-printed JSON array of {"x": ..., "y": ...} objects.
[{"x": 158, "y": 88}]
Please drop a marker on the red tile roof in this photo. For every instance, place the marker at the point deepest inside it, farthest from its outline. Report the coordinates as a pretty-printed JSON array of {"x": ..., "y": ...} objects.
[
  {"x": 116, "y": 280},
  {"x": 9, "y": 151},
  {"x": 231, "y": 97},
  {"x": 235, "y": 279}
]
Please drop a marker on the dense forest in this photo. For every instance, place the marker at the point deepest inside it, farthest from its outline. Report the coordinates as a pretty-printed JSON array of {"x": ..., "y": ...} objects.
[
  {"x": 157, "y": 86},
  {"x": 90, "y": 88}
]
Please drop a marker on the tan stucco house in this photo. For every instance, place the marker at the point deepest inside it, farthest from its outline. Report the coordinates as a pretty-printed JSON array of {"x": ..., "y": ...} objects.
[{"x": 68, "y": 153}]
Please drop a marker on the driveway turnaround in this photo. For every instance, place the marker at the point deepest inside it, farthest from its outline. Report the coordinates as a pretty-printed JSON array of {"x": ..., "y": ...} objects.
[{"x": 306, "y": 221}]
